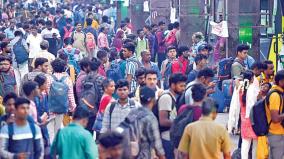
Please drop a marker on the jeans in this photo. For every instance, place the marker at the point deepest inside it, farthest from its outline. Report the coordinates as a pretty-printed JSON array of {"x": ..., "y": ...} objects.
[
  {"x": 276, "y": 145},
  {"x": 169, "y": 149},
  {"x": 161, "y": 58},
  {"x": 54, "y": 125}
]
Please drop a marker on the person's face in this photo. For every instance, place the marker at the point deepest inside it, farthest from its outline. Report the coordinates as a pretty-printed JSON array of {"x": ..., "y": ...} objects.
[
  {"x": 162, "y": 27},
  {"x": 126, "y": 53},
  {"x": 265, "y": 88},
  {"x": 110, "y": 88},
  {"x": 8, "y": 49},
  {"x": 145, "y": 30},
  {"x": 36, "y": 92},
  {"x": 186, "y": 54},
  {"x": 243, "y": 54},
  {"x": 10, "y": 106},
  {"x": 34, "y": 31},
  {"x": 123, "y": 92},
  {"x": 206, "y": 81},
  {"x": 179, "y": 87},
  {"x": 270, "y": 70},
  {"x": 154, "y": 29},
  {"x": 172, "y": 53},
  {"x": 12, "y": 26},
  {"x": 204, "y": 52},
  {"x": 257, "y": 72},
  {"x": 5, "y": 66},
  {"x": 49, "y": 27},
  {"x": 151, "y": 80},
  {"x": 43, "y": 87},
  {"x": 202, "y": 63},
  {"x": 141, "y": 80},
  {"x": 45, "y": 67},
  {"x": 146, "y": 56},
  {"x": 22, "y": 111},
  {"x": 141, "y": 35},
  {"x": 79, "y": 27},
  {"x": 281, "y": 83},
  {"x": 115, "y": 152}
]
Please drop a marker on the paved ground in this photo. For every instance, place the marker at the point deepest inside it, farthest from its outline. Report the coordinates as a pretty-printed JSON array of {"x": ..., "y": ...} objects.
[{"x": 222, "y": 118}]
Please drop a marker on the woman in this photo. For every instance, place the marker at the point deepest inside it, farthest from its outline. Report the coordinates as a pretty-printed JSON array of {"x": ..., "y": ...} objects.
[
  {"x": 247, "y": 99},
  {"x": 109, "y": 87},
  {"x": 117, "y": 41}
]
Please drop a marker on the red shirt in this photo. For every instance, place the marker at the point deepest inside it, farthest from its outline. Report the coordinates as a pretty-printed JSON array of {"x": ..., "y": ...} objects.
[
  {"x": 197, "y": 111},
  {"x": 180, "y": 65},
  {"x": 104, "y": 102}
]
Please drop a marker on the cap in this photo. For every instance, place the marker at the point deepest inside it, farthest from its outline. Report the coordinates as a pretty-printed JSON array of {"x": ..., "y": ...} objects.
[
  {"x": 146, "y": 94},
  {"x": 204, "y": 46}
]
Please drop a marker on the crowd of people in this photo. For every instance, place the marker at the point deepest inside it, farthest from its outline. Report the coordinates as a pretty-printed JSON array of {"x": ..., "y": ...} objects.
[{"x": 73, "y": 84}]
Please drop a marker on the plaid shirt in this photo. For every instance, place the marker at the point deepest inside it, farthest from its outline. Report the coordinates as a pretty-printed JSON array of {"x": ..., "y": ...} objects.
[
  {"x": 149, "y": 134},
  {"x": 131, "y": 67},
  {"x": 119, "y": 113}
]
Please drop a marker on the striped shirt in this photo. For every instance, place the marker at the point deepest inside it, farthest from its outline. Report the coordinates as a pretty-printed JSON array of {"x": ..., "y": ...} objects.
[
  {"x": 71, "y": 98},
  {"x": 131, "y": 67}
]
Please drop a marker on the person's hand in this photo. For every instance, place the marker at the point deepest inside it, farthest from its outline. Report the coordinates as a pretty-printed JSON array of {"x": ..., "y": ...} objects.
[
  {"x": 22, "y": 155},
  {"x": 211, "y": 85},
  {"x": 210, "y": 91},
  {"x": 11, "y": 118}
]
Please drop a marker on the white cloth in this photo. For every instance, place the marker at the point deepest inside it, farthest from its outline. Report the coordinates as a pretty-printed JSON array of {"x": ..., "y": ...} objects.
[
  {"x": 34, "y": 44},
  {"x": 251, "y": 98},
  {"x": 246, "y": 146},
  {"x": 54, "y": 125},
  {"x": 49, "y": 33}
]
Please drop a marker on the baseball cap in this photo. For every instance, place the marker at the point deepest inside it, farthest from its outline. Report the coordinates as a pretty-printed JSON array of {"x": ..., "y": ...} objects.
[{"x": 146, "y": 94}]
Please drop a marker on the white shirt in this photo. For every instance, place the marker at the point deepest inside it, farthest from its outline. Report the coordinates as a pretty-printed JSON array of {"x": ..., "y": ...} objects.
[
  {"x": 48, "y": 33},
  {"x": 34, "y": 44}
]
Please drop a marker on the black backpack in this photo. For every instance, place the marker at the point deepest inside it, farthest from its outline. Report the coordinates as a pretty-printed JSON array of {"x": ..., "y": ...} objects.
[
  {"x": 258, "y": 117},
  {"x": 90, "y": 92},
  {"x": 181, "y": 99},
  {"x": 179, "y": 124},
  {"x": 155, "y": 111}
]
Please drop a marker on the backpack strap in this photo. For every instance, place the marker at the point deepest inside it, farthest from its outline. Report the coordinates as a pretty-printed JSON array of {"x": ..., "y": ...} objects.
[
  {"x": 10, "y": 130},
  {"x": 267, "y": 101},
  {"x": 33, "y": 129},
  {"x": 112, "y": 105}
]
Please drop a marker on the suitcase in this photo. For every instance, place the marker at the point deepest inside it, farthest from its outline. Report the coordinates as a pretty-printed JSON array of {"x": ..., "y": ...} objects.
[{"x": 227, "y": 89}]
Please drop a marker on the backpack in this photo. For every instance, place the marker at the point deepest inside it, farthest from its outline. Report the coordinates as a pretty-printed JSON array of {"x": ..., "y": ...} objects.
[
  {"x": 90, "y": 94},
  {"x": 90, "y": 41},
  {"x": 167, "y": 74},
  {"x": 58, "y": 96},
  {"x": 155, "y": 111},
  {"x": 131, "y": 131},
  {"x": 7, "y": 83},
  {"x": 21, "y": 54},
  {"x": 114, "y": 72},
  {"x": 67, "y": 33},
  {"x": 171, "y": 39},
  {"x": 179, "y": 124},
  {"x": 181, "y": 99},
  {"x": 225, "y": 66},
  {"x": 259, "y": 121},
  {"x": 71, "y": 59}
]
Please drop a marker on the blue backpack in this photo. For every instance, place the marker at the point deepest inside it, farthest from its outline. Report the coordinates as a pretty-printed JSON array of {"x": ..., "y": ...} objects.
[
  {"x": 114, "y": 71},
  {"x": 21, "y": 54},
  {"x": 167, "y": 75},
  {"x": 58, "y": 96},
  {"x": 225, "y": 66},
  {"x": 71, "y": 59}
]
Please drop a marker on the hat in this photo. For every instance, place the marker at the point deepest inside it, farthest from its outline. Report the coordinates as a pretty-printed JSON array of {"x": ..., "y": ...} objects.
[
  {"x": 146, "y": 94},
  {"x": 203, "y": 47}
]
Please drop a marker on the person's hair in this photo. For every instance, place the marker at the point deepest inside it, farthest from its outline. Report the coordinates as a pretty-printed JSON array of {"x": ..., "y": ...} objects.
[
  {"x": 18, "y": 33},
  {"x": 68, "y": 20},
  {"x": 21, "y": 100},
  {"x": 242, "y": 47},
  {"x": 94, "y": 64},
  {"x": 89, "y": 21},
  {"x": 5, "y": 58},
  {"x": 127, "y": 20},
  {"x": 111, "y": 139},
  {"x": 8, "y": 96},
  {"x": 177, "y": 78},
  {"x": 122, "y": 83},
  {"x": 81, "y": 113},
  {"x": 209, "y": 106},
  {"x": 113, "y": 54},
  {"x": 48, "y": 23},
  {"x": 140, "y": 72},
  {"x": 151, "y": 72},
  {"x": 40, "y": 79},
  {"x": 85, "y": 62},
  {"x": 4, "y": 45},
  {"x": 122, "y": 25},
  {"x": 29, "y": 87},
  {"x": 170, "y": 26},
  {"x": 106, "y": 83},
  {"x": 138, "y": 31},
  {"x": 176, "y": 24},
  {"x": 121, "y": 56},
  {"x": 148, "y": 27},
  {"x": 247, "y": 77},
  {"x": 198, "y": 92},
  {"x": 161, "y": 23},
  {"x": 58, "y": 65},
  {"x": 2, "y": 36},
  {"x": 101, "y": 54},
  {"x": 279, "y": 76},
  {"x": 259, "y": 65},
  {"x": 182, "y": 49},
  {"x": 171, "y": 48},
  {"x": 206, "y": 72},
  {"x": 267, "y": 62},
  {"x": 269, "y": 84},
  {"x": 199, "y": 57},
  {"x": 105, "y": 19},
  {"x": 40, "y": 61},
  {"x": 130, "y": 47},
  {"x": 44, "y": 45},
  {"x": 69, "y": 41},
  {"x": 153, "y": 26}
]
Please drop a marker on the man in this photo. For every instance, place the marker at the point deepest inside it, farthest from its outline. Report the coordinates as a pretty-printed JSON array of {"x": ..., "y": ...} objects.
[
  {"x": 140, "y": 77},
  {"x": 89, "y": 28},
  {"x": 8, "y": 83},
  {"x": 102, "y": 55},
  {"x": 44, "y": 45},
  {"x": 11, "y": 30},
  {"x": 161, "y": 52},
  {"x": 58, "y": 67},
  {"x": 31, "y": 90},
  {"x": 200, "y": 61},
  {"x": 33, "y": 40},
  {"x": 103, "y": 38},
  {"x": 204, "y": 77},
  {"x": 68, "y": 29},
  {"x": 26, "y": 135},
  {"x": 181, "y": 65},
  {"x": 84, "y": 70},
  {"x": 268, "y": 74},
  {"x": 5, "y": 48},
  {"x": 141, "y": 43},
  {"x": 111, "y": 145},
  {"x": 79, "y": 38},
  {"x": 171, "y": 56},
  {"x": 238, "y": 66},
  {"x": 64, "y": 146},
  {"x": 149, "y": 135},
  {"x": 52, "y": 36},
  {"x": 257, "y": 69},
  {"x": 132, "y": 64},
  {"x": 167, "y": 110},
  {"x": 148, "y": 64},
  {"x": 94, "y": 24},
  {"x": 205, "y": 139},
  {"x": 151, "y": 39},
  {"x": 173, "y": 37},
  {"x": 117, "y": 111},
  {"x": 274, "y": 113},
  {"x": 9, "y": 103}
]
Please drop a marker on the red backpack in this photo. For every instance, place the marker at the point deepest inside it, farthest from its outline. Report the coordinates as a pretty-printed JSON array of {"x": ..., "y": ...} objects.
[
  {"x": 67, "y": 33},
  {"x": 171, "y": 38}
]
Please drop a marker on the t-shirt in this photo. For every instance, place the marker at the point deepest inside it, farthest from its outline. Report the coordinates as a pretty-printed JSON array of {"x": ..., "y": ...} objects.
[
  {"x": 106, "y": 99},
  {"x": 165, "y": 103},
  {"x": 196, "y": 114}
]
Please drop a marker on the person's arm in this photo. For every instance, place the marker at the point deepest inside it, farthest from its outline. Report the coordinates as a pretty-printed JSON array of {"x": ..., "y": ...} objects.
[
  {"x": 184, "y": 144},
  {"x": 155, "y": 138},
  {"x": 71, "y": 97},
  {"x": 274, "y": 106},
  {"x": 130, "y": 71},
  {"x": 106, "y": 120},
  {"x": 38, "y": 145},
  {"x": 225, "y": 144},
  {"x": 4, "y": 143},
  {"x": 164, "y": 106},
  {"x": 90, "y": 148}
]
